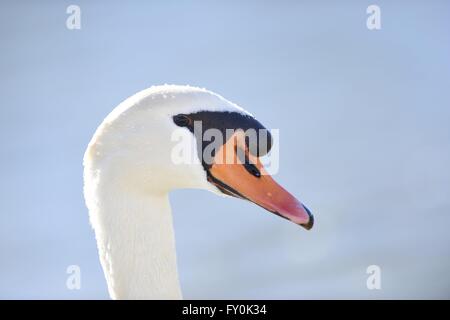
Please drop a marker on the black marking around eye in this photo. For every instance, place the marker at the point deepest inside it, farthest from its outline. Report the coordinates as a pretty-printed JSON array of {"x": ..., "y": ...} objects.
[
  {"x": 182, "y": 120},
  {"x": 222, "y": 121}
]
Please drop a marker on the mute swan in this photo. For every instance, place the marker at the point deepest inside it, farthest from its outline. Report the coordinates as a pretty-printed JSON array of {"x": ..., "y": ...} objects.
[{"x": 128, "y": 173}]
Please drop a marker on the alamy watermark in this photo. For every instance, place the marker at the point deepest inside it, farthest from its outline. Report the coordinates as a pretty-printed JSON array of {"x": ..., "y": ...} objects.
[
  {"x": 373, "y": 281},
  {"x": 73, "y": 21},
  {"x": 373, "y": 21},
  {"x": 73, "y": 281},
  {"x": 229, "y": 146}
]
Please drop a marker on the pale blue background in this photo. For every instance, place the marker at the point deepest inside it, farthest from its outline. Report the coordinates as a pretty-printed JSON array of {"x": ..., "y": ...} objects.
[{"x": 364, "y": 119}]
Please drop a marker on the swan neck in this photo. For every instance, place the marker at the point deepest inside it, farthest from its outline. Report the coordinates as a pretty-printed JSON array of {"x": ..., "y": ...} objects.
[{"x": 137, "y": 246}]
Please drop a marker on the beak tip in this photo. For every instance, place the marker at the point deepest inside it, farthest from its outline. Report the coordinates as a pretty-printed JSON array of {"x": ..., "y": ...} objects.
[
  {"x": 300, "y": 216},
  {"x": 309, "y": 225}
]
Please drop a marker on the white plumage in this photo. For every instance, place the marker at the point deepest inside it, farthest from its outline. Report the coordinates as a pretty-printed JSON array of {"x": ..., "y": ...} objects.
[{"x": 128, "y": 174}]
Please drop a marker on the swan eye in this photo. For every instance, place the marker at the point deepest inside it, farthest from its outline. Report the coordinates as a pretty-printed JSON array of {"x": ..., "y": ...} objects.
[
  {"x": 252, "y": 169},
  {"x": 181, "y": 120}
]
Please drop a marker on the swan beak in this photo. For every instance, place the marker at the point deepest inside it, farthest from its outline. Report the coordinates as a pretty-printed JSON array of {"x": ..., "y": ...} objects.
[
  {"x": 268, "y": 194},
  {"x": 258, "y": 186},
  {"x": 264, "y": 191}
]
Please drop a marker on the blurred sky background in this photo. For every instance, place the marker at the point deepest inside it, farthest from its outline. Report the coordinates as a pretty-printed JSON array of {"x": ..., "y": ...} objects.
[{"x": 364, "y": 119}]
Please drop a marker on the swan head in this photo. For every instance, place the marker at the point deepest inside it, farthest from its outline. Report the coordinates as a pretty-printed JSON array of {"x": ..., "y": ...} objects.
[{"x": 170, "y": 137}]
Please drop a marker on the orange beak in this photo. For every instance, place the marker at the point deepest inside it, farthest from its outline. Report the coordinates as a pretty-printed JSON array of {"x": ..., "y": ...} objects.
[{"x": 253, "y": 183}]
